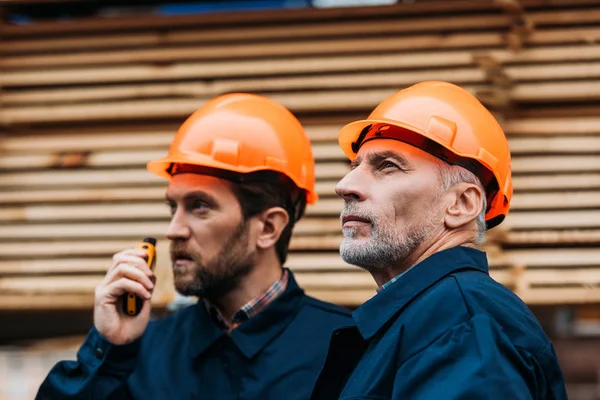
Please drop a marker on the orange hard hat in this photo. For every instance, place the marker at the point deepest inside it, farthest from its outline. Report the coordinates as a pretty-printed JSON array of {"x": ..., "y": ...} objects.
[
  {"x": 243, "y": 133},
  {"x": 449, "y": 122}
]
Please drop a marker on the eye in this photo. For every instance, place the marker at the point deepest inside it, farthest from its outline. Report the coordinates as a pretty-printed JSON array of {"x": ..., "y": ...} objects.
[
  {"x": 388, "y": 165},
  {"x": 198, "y": 204},
  {"x": 172, "y": 207}
]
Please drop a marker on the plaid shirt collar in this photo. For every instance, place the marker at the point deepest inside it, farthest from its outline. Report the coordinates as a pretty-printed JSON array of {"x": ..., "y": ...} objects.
[{"x": 252, "y": 307}]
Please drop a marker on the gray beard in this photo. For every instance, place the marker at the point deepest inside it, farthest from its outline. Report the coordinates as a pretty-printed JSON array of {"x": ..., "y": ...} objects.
[{"x": 385, "y": 248}]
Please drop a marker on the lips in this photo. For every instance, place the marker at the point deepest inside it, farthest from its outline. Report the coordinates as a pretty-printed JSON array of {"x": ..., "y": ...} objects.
[
  {"x": 351, "y": 220},
  {"x": 180, "y": 257}
]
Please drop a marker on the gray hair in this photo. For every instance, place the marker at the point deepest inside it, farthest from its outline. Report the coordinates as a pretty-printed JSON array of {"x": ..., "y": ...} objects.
[{"x": 451, "y": 175}]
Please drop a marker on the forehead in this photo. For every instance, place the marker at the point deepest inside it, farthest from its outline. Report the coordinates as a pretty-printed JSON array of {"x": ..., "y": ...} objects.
[
  {"x": 409, "y": 153},
  {"x": 181, "y": 184}
]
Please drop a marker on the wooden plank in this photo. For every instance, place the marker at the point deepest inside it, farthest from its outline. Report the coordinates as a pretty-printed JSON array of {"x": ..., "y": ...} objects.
[
  {"x": 548, "y": 296},
  {"x": 549, "y": 258},
  {"x": 107, "y": 247},
  {"x": 212, "y": 51},
  {"x": 552, "y": 237},
  {"x": 550, "y": 164},
  {"x": 134, "y": 138},
  {"x": 558, "y": 200},
  {"x": 82, "y": 195},
  {"x": 60, "y": 249},
  {"x": 322, "y": 152},
  {"x": 567, "y": 276},
  {"x": 202, "y": 89},
  {"x": 222, "y": 69},
  {"x": 578, "y": 35},
  {"x": 552, "y": 219},
  {"x": 306, "y": 226},
  {"x": 333, "y": 100},
  {"x": 49, "y": 284},
  {"x": 97, "y": 159},
  {"x": 156, "y": 210},
  {"x": 553, "y": 144},
  {"x": 296, "y": 29},
  {"x": 553, "y": 126},
  {"x": 162, "y": 108},
  {"x": 19, "y": 301},
  {"x": 93, "y": 212},
  {"x": 557, "y": 91},
  {"x": 547, "y": 54},
  {"x": 522, "y": 92},
  {"x": 122, "y": 177},
  {"x": 582, "y": 35},
  {"x": 56, "y": 265},
  {"x": 562, "y": 181},
  {"x": 73, "y": 178},
  {"x": 71, "y": 286},
  {"x": 42, "y": 141},
  {"x": 572, "y": 91},
  {"x": 537, "y": 72},
  {"x": 565, "y": 17},
  {"x": 573, "y": 110}
]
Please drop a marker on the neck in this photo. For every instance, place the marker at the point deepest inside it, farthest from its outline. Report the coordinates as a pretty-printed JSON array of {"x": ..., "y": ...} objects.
[
  {"x": 436, "y": 243},
  {"x": 266, "y": 271}
]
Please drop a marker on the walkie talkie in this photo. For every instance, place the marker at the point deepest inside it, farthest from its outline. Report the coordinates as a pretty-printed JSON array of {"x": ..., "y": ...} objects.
[{"x": 132, "y": 303}]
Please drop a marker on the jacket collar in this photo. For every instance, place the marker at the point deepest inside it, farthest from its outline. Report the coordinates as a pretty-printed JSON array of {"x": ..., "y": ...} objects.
[
  {"x": 377, "y": 311},
  {"x": 252, "y": 335}
]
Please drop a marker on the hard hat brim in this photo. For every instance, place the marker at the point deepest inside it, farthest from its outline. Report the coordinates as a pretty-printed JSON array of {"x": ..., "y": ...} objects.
[{"x": 161, "y": 168}]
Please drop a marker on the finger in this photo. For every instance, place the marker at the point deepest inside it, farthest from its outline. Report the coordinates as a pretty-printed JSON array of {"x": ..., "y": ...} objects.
[
  {"x": 134, "y": 260},
  {"x": 121, "y": 286},
  {"x": 129, "y": 272}
]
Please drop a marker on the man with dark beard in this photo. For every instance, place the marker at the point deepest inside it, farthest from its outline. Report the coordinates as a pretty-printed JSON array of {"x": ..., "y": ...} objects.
[
  {"x": 430, "y": 172},
  {"x": 241, "y": 171}
]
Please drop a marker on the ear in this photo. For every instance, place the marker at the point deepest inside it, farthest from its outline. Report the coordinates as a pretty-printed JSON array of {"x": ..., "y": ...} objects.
[
  {"x": 465, "y": 205},
  {"x": 274, "y": 220}
]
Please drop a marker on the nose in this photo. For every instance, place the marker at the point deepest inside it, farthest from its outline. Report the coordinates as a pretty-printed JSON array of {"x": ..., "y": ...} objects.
[
  {"x": 352, "y": 187},
  {"x": 178, "y": 228}
]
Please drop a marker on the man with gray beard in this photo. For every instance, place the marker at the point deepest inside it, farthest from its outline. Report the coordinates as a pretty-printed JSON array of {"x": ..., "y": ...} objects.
[
  {"x": 430, "y": 173},
  {"x": 240, "y": 172}
]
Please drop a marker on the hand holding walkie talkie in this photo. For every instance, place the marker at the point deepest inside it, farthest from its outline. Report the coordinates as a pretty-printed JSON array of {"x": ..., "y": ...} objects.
[
  {"x": 122, "y": 299},
  {"x": 132, "y": 304}
]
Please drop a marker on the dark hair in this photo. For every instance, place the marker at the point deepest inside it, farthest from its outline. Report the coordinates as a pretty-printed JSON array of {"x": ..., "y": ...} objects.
[{"x": 256, "y": 196}]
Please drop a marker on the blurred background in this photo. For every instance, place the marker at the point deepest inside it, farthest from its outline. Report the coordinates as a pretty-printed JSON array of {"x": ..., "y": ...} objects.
[{"x": 92, "y": 90}]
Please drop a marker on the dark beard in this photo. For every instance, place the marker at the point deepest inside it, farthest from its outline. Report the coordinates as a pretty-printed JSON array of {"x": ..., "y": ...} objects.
[{"x": 219, "y": 276}]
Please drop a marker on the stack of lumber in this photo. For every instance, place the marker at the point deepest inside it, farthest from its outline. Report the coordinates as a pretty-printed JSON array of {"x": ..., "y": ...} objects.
[{"x": 84, "y": 104}]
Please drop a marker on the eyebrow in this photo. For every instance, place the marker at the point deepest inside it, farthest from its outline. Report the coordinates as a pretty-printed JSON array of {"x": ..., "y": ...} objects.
[
  {"x": 196, "y": 195},
  {"x": 377, "y": 157}
]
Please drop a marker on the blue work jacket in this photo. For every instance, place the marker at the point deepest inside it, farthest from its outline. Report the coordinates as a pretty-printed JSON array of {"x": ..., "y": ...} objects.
[
  {"x": 276, "y": 354},
  {"x": 443, "y": 330}
]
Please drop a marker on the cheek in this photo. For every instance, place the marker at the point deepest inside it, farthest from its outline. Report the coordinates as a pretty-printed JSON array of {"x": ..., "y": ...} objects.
[
  {"x": 413, "y": 202},
  {"x": 208, "y": 236}
]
